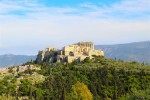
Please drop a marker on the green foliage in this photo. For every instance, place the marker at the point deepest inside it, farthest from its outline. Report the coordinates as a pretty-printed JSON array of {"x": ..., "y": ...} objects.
[
  {"x": 97, "y": 79},
  {"x": 87, "y": 60},
  {"x": 6, "y": 97},
  {"x": 24, "y": 87},
  {"x": 10, "y": 70},
  {"x": 8, "y": 86},
  {"x": 80, "y": 92}
]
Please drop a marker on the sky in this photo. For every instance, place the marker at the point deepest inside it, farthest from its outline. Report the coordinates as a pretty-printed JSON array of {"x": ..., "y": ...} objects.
[{"x": 27, "y": 26}]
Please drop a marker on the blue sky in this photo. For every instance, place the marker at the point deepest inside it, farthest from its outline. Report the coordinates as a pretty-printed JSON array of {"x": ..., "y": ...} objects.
[
  {"x": 74, "y": 3},
  {"x": 27, "y": 26}
]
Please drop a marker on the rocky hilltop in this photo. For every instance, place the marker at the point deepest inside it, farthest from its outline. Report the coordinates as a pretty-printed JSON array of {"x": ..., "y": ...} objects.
[{"x": 75, "y": 52}]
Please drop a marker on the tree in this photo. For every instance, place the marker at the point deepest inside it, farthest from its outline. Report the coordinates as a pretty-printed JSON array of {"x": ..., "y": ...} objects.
[
  {"x": 81, "y": 92},
  {"x": 29, "y": 71},
  {"x": 87, "y": 60},
  {"x": 17, "y": 69},
  {"x": 10, "y": 70},
  {"x": 24, "y": 87}
]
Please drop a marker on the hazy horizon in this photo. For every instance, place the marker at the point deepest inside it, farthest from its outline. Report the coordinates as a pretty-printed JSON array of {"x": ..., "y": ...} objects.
[
  {"x": 28, "y": 26},
  {"x": 35, "y": 52}
]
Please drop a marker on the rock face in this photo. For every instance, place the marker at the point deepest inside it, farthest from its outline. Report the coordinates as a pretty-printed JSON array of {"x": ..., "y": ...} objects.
[{"x": 75, "y": 52}]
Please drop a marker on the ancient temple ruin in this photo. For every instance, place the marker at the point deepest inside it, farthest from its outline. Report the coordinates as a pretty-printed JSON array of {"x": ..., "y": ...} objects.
[{"x": 75, "y": 52}]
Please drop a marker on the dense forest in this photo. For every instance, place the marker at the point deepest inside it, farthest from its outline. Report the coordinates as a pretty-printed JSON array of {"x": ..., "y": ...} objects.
[{"x": 98, "y": 78}]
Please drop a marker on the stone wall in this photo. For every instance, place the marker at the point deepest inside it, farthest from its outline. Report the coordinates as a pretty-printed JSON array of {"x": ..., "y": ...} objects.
[{"x": 76, "y": 52}]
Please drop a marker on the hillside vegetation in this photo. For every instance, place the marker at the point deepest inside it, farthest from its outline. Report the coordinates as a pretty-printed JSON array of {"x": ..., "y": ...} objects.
[
  {"x": 95, "y": 79},
  {"x": 138, "y": 51}
]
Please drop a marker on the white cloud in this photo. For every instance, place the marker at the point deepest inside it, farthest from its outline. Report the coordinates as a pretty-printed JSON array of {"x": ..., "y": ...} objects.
[
  {"x": 60, "y": 26},
  {"x": 120, "y": 10},
  {"x": 9, "y": 5},
  {"x": 2, "y": 46},
  {"x": 137, "y": 6},
  {"x": 124, "y": 7}
]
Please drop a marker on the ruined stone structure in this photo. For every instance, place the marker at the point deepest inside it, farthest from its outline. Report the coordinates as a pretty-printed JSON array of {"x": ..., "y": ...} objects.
[{"x": 75, "y": 52}]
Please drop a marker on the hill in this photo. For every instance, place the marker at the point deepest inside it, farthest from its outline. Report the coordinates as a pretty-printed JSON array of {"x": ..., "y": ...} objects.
[
  {"x": 8, "y": 60},
  {"x": 137, "y": 51},
  {"x": 92, "y": 79}
]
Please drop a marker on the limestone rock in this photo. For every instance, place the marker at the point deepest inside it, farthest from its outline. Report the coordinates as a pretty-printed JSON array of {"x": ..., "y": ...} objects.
[{"x": 75, "y": 52}]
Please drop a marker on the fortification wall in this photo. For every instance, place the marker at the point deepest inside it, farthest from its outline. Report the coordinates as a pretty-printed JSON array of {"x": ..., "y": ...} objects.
[{"x": 78, "y": 51}]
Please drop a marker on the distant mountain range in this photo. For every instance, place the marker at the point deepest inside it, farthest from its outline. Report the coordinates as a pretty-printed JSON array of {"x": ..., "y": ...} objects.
[
  {"x": 137, "y": 51},
  {"x": 8, "y": 60}
]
